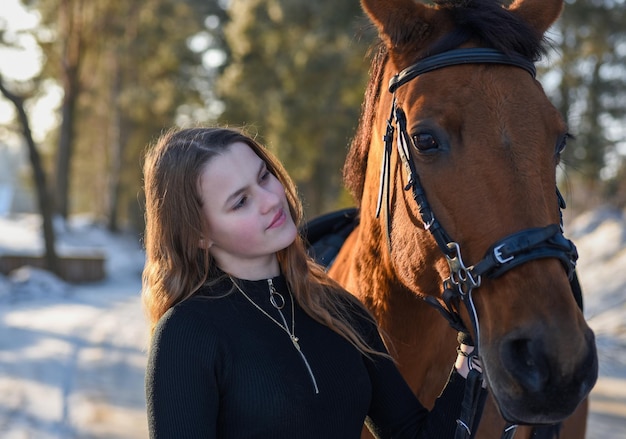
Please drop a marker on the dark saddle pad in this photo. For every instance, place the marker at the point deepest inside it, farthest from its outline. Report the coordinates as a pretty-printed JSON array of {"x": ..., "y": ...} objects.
[{"x": 325, "y": 234}]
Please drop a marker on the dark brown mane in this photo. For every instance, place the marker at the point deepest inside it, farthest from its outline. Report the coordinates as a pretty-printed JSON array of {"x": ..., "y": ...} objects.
[
  {"x": 483, "y": 21},
  {"x": 490, "y": 25},
  {"x": 356, "y": 160}
]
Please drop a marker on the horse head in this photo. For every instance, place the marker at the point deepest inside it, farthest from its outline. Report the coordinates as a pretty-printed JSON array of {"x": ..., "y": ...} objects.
[{"x": 478, "y": 144}]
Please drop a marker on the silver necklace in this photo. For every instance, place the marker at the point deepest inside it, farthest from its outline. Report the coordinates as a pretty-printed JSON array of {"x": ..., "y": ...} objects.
[{"x": 278, "y": 301}]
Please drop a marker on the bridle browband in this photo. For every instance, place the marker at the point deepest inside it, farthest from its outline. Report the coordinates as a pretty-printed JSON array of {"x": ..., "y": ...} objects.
[
  {"x": 472, "y": 55},
  {"x": 509, "y": 252}
]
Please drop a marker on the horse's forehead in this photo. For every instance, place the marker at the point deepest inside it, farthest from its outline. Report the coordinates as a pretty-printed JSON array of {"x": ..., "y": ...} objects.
[
  {"x": 472, "y": 95},
  {"x": 498, "y": 127},
  {"x": 438, "y": 25}
]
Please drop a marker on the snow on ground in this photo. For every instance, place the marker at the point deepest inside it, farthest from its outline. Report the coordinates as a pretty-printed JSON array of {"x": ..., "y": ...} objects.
[
  {"x": 601, "y": 240},
  {"x": 72, "y": 357}
]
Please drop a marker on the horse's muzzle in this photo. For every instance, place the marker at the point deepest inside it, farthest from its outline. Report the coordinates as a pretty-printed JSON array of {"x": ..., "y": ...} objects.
[{"x": 534, "y": 388}]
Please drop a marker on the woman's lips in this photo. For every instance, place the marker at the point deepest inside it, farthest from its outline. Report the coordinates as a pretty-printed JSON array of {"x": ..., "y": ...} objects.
[{"x": 278, "y": 219}]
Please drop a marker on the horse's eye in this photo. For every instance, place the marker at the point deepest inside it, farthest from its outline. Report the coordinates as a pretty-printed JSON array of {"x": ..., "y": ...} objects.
[
  {"x": 563, "y": 143},
  {"x": 425, "y": 142}
]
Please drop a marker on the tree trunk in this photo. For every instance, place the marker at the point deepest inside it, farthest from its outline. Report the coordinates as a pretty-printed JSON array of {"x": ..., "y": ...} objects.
[
  {"x": 64, "y": 153},
  {"x": 70, "y": 25},
  {"x": 117, "y": 142},
  {"x": 45, "y": 206}
]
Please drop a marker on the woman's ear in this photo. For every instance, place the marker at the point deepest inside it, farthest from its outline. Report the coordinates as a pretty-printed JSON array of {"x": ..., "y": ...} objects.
[{"x": 205, "y": 243}]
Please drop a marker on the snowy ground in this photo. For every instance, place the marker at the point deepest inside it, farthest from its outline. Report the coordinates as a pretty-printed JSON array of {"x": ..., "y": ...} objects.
[
  {"x": 601, "y": 240},
  {"x": 72, "y": 357}
]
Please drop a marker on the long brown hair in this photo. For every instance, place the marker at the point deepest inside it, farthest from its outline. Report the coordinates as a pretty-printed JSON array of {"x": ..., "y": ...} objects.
[{"x": 176, "y": 267}]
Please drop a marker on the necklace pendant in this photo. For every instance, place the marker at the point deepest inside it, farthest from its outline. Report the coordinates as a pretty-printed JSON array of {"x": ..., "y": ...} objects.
[
  {"x": 276, "y": 299},
  {"x": 295, "y": 340}
]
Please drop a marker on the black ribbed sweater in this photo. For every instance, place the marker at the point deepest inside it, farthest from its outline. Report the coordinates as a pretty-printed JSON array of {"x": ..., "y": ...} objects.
[{"x": 219, "y": 368}]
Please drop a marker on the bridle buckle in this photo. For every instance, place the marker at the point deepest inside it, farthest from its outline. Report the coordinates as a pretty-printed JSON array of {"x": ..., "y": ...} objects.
[{"x": 497, "y": 253}]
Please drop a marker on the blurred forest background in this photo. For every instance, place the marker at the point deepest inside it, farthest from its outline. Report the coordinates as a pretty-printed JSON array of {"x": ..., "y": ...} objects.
[{"x": 115, "y": 74}]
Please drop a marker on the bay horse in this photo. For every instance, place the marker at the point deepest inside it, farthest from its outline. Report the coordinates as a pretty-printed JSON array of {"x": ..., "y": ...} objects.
[{"x": 453, "y": 167}]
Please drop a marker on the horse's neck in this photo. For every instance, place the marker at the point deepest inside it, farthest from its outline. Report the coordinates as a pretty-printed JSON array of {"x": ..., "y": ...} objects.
[{"x": 417, "y": 336}]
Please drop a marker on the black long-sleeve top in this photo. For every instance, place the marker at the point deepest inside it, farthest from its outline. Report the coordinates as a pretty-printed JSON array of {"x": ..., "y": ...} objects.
[{"x": 219, "y": 368}]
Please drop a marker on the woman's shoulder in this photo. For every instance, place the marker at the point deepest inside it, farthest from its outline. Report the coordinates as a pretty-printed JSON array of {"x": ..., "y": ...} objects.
[
  {"x": 192, "y": 330},
  {"x": 196, "y": 314}
]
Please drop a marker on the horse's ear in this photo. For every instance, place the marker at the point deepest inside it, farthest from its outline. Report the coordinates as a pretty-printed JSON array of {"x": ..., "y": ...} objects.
[
  {"x": 399, "y": 22},
  {"x": 540, "y": 14}
]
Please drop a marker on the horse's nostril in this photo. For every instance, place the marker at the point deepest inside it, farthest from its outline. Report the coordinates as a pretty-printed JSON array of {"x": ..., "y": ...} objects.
[{"x": 526, "y": 360}]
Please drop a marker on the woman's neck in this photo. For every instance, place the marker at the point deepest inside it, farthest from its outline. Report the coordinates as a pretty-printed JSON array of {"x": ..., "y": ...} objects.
[{"x": 255, "y": 270}]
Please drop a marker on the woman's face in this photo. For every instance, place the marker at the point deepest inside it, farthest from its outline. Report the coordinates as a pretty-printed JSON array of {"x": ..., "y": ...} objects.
[{"x": 247, "y": 213}]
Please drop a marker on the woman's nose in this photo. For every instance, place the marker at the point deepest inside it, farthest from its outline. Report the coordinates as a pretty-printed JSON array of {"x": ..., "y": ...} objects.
[{"x": 270, "y": 199}]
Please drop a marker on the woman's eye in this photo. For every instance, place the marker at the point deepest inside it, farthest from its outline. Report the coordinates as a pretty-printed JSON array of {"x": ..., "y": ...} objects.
[
  {"x": 265, "y": 175},
  {"x": 240, "y": 203},
  {"x": 425, "y": 142}
]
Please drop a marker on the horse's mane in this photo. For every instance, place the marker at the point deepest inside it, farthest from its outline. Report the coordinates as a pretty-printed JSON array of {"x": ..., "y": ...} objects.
[{"x": 485, "y": 21}]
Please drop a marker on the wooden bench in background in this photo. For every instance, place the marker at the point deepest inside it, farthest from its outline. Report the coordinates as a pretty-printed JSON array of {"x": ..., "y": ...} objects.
[{"x": 74, "y": 268}]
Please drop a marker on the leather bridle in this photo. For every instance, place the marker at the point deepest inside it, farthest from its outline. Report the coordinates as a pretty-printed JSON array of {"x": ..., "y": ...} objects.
[{"x": 506, "y": 254}]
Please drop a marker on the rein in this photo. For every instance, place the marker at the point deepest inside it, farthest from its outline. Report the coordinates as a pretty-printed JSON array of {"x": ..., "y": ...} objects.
[{"x": 504, "y": 255}]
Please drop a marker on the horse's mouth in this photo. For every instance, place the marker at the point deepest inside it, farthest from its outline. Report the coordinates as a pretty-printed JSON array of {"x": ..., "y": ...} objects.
[
  {"x": 550, "y": 404},
  {"x": 529, "y": 414}
]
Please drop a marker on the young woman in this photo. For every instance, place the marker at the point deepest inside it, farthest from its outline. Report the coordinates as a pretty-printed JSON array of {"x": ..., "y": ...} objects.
[{"x": 250, "y": 338}]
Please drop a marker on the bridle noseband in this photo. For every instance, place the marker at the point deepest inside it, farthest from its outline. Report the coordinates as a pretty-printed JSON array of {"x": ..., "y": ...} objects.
[{"x": 506, "y": 254}]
